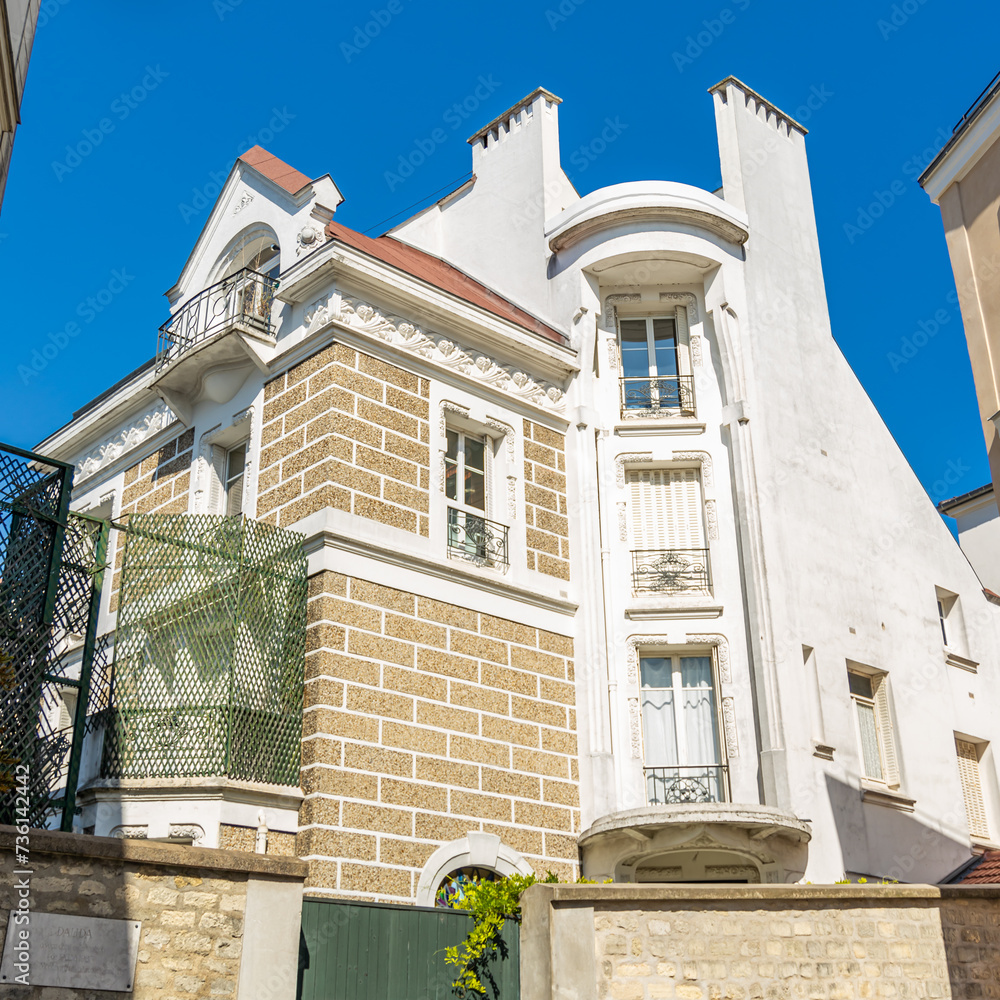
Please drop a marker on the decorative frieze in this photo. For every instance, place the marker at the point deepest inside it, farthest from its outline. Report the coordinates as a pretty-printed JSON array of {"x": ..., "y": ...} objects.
[
  {"x": 712, "y": 517},
  {"x": 482, "y": 368},
  {"x": 129, "y": 435},
  {"x": 704, "y": 459},
  {"x": 721, "y": 645},
  {"x": 729, "y": 728},
  {"x": 685, "y": 299},
  {"x": 634, "y": 729},
  {"x": 622, "y": 460}
]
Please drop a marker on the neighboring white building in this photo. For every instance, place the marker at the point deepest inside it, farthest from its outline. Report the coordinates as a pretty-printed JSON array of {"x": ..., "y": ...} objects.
[
  {"x": 18, "y": 19},
  {"x": 978, "y": 524},
  {"x": 692, "y": 616}
]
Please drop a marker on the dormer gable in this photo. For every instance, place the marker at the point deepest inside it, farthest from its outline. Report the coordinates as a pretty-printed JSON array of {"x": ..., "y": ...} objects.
[{"x": 264, "y": 202}]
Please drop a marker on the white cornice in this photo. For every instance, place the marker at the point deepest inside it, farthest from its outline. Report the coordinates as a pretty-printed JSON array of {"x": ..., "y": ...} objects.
[
  {"x": 426, "y": 304},
  {"x": 954, "y": 163}
]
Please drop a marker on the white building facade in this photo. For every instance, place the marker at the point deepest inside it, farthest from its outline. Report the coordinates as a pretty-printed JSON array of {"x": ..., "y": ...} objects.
[{"x": 613, "y": 565}]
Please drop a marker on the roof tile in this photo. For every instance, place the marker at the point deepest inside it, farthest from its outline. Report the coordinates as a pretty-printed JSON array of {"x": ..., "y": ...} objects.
[{"x": 270, "y": 166}]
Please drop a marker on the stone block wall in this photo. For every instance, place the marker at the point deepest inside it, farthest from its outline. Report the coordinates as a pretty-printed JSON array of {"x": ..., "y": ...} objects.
[
  {"x": 195, "y": 906},
  {"x": 696, "y": 943},
  {"x": 346, "y": 430},
  {"x": 546, "y": 508},
  {"x": 158, "y": 484},
  {"x": 424, "y": 721}
]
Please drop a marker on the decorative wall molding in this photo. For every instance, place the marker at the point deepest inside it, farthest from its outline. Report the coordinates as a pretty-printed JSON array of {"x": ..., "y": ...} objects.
[
  {"x": 696, "y": 360},
  {"x": 189, "y": 831},
  {"x": 613, "y": 353},
  {"x": 308, "y": 238},
  {"x": 729, "y": 728},
  {"x": 686, "y": 299},
  {"x": 632, "y": 645},
  {"x": 129, "y": 435},
  {"x": 446, "y": 353},
  {"x": 722, "y": 872},
  {"x": 242, "y": 203},
  {"x": 131, "y": 832},
  {"x": 506, "y": 432},
  {"x": 622, "y": 522},
  {"x": 712, "y": 517},
  {"x": 633, "y": 456},
  {"x": 634, "y": 729},
  {"x": 721, "y": 645},
  {"x": 476, "y": 849},
  {"x": 704, "y": 459}
]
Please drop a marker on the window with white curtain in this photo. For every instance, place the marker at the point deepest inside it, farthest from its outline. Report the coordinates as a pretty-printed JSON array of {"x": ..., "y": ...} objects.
[{"x": 681, "y": 753}]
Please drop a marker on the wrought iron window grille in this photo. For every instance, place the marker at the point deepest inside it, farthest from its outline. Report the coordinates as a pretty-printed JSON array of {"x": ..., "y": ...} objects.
[
  {"x": 658, "y": 396},
  {"x": 243, "y": 299},
  {"x": 671, "y": 571},
  {"x": 477, "y": 539},
  {"x": 695, "y": 783}
]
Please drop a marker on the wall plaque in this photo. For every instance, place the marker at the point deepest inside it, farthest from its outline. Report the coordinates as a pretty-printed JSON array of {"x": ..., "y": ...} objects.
[{"x": 87, "y": 953}]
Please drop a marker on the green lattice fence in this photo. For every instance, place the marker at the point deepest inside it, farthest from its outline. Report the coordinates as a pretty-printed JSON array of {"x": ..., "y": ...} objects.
[
  {"x": 209, "y": 651},
  {"x": 51, "y": 568}
]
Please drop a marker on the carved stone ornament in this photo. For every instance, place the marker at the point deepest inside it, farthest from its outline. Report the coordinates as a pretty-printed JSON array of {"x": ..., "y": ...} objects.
[
  {"x": 242, "y": 203},
  {"x": 131, "y": 832},
  {"x": 704, "y": 459},
  {"x": 479, "y": 367},
  {"x": 128, "y": 436},
  {"x": 613, "y": 353},
  {"x": 622, "y": 523},
  {"x": 685, "y": 299},
  {"x": 696, "y": 360},
  {"x": 507, "y": 433},
  {"x": 634, "y": 729},
  {"x": 721, "y": 645},
  {"x": 632, "y": 645},
  {"x": 729, "y": 728},
  {"x": 308, "y": 238},
  {"x": 622, "y": 460},
  {"x": 191, "y": 831},
  {"x": 712, "y": 517},
  {"x": 748, "y": 873}
]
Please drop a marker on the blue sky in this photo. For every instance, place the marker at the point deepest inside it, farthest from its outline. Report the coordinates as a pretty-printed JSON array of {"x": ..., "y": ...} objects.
[{"x": 165, "y": 98}]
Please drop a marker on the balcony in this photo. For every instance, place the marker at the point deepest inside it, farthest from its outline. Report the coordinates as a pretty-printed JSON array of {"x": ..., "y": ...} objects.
[
  {"x": 477, "y": 539},
  {"x": 223, "y": 331},
  {"x": 671, "y": 571},
  {"x": 676, "y": 785},
  {"x": 657, "y": 396}
]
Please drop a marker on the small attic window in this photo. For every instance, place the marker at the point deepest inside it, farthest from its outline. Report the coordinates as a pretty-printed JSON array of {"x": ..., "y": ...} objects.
[{"x": 259, "y": 251}]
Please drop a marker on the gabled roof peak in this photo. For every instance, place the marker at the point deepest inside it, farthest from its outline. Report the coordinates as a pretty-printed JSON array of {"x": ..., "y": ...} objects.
[{"x": 285, "y": 176}]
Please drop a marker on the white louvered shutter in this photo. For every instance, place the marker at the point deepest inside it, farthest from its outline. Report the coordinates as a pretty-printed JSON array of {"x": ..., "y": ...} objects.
[
  {"x": 886, "y": 736},
  {"x": 972, "y": 789},
  {"x": 217, "y": 478},
  {"x": 666, "y": 509}
]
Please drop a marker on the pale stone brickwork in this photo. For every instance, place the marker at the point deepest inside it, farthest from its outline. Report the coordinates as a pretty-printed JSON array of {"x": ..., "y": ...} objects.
[
  {"x": 545, "y": 500},
  {"x": 347, "y": 431},
  {"x": 192, "y": 903},
  {"x": 836, "y": 942},
  {"x": 423, "y": 721},
  {"x": 244, "y": 838},
  {"x": 159, "y": 484}
]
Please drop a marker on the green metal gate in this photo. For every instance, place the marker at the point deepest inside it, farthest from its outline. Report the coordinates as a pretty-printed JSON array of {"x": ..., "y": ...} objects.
[{"x": 381, "y": 951}]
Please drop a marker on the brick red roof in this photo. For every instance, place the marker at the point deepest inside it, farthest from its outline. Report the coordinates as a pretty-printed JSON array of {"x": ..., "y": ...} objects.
[
  {"x": 436, "y": 272},
  {"x": 292, "y": 180},
  {"x": 984, "y": 870}
]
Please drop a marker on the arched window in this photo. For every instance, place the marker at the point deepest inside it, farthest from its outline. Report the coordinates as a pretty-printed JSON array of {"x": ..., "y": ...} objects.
[{"x": 451, "y": 892}]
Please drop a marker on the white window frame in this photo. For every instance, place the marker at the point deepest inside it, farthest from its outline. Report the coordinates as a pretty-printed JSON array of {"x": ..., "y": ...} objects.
[
  {"x": 884, "y": 734},
  {"x": 675, "y": 655},
  {"x": 651, "y": 343},
  {"x": 222, "y": 447}
]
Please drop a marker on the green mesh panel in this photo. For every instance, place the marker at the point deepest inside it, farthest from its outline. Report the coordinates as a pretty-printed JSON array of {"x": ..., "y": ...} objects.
[
  {"x": 50, "y": 569},
  {"x": 209, "y": 651}
]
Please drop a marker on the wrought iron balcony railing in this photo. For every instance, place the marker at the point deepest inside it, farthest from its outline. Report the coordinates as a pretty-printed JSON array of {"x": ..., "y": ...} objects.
[
  {"x": 477, "y": 539},
  {"x": 674, "y": 785},
  {"x": 671, "y": 571},
  {"x": 242, "y": 299},
  {"x": 658, "y": 396}
]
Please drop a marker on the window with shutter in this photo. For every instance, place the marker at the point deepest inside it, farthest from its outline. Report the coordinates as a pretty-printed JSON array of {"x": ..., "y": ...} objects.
[
  {"x": 972, "y": 789},
  {"x": 870, "y": 694},
  {"x": 668, "y": 534}
]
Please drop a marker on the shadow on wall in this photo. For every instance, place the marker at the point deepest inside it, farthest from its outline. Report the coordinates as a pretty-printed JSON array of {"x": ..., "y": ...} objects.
[{"x": 885, "y": 838}]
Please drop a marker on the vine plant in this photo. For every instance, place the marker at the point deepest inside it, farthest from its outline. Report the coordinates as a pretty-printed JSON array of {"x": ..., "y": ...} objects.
[{"x": 491, "y": 905}]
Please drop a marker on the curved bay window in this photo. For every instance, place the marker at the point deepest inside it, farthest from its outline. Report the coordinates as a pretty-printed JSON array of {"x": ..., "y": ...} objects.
[
  {"x": 652, "y": 383},
  {"x": 681, "y": 754}
]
